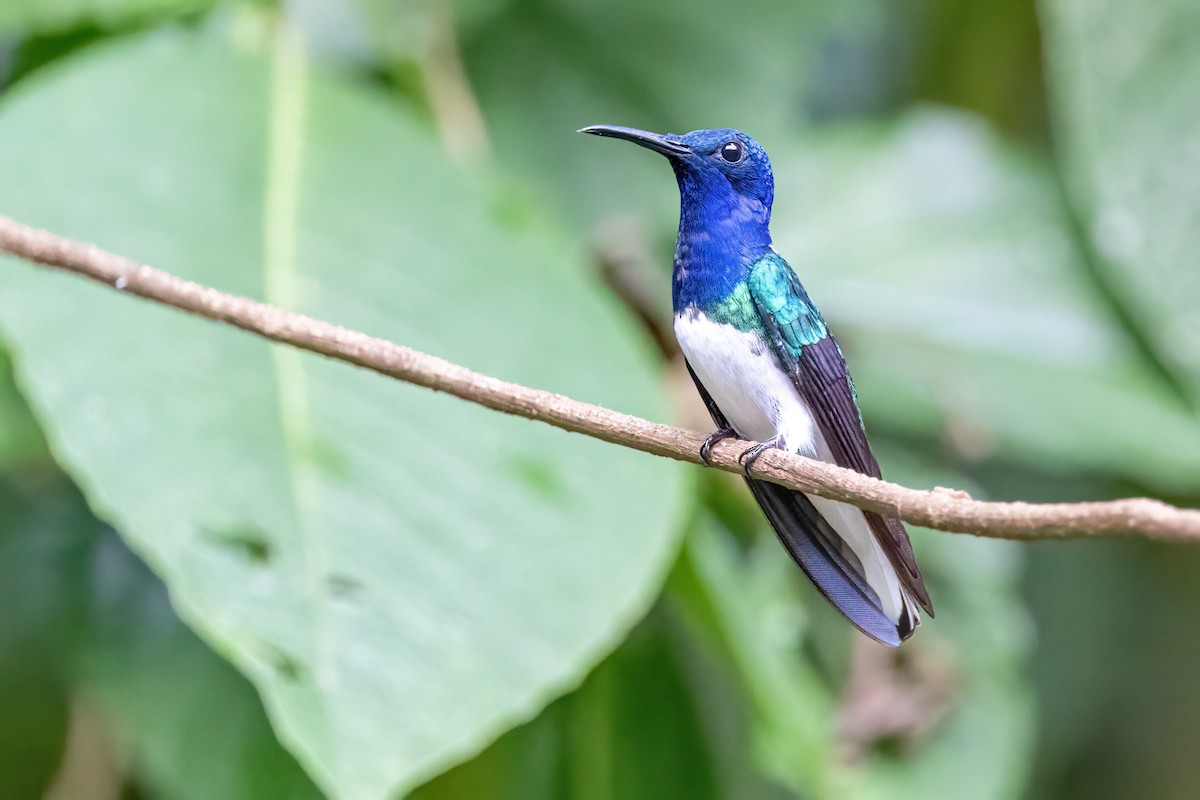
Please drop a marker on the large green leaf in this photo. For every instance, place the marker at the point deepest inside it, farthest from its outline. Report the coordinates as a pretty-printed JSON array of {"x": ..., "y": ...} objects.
[
  {"x": 403, "y": 576},
  {"x": 946, "y": 267},
  {"x": 1124, "y": 79}
]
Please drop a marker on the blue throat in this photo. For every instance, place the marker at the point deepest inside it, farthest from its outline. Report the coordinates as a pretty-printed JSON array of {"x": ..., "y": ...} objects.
[{"x": 722, "y": 233}]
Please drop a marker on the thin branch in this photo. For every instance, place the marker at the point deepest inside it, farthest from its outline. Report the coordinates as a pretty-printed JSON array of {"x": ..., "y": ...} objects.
[{"x": 941, "y": 508}]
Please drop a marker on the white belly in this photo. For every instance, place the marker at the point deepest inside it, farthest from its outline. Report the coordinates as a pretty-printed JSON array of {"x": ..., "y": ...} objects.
[
  {"x": 744, "y": 379},
  {"x": 759, "y": 400}
]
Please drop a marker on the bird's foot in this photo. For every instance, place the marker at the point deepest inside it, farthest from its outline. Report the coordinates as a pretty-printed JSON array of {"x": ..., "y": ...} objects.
[
  {"x": 717, "y": 436},
  {"x": 751, "y": 454}
]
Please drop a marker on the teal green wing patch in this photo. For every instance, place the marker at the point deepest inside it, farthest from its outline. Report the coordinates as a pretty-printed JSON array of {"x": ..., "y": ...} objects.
[{"x": 784, "y": 305}]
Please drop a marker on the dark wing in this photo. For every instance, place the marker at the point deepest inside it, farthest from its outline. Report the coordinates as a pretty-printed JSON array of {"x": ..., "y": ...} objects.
[
  {"x": 811, "y": 355},
  {"x": 817, "y": 549}
]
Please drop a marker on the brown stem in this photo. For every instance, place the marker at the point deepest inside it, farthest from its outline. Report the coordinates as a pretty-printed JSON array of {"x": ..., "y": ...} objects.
[
  {"x": 942, "y": 509},
  {"x": 456, "y": 112}
]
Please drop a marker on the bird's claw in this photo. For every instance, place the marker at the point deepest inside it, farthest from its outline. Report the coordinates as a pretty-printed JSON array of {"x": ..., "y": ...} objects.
[
  {"x": 751, "y": 454},
  {"x": 717, "y": 436}
]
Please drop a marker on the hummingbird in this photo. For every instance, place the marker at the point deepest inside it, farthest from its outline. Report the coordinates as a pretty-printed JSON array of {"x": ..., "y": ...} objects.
[{"x": 769, "y": 371}]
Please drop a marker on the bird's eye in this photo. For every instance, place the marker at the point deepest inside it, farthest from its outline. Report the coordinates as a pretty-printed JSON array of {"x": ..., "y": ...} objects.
[{"x": 732, "y": 151}]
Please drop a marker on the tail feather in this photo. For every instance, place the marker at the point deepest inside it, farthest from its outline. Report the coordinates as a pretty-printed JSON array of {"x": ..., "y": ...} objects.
[
  {"x": 819, "y": 551},
  {"x": 825, "y": 557}
]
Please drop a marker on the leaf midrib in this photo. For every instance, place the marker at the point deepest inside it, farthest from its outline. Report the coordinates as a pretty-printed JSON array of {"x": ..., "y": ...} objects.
[{"x": 285, "y": 146}]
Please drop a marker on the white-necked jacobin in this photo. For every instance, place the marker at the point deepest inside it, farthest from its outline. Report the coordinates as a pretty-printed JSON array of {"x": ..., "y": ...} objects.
[{"x": 770, "y": 371}]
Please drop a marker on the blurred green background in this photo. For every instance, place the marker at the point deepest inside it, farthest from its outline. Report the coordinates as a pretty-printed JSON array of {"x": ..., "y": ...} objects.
[{"x": 229, "y": 570}]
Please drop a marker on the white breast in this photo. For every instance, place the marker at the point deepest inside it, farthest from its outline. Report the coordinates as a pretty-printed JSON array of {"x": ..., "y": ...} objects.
[{"x": 745, "y": 381}]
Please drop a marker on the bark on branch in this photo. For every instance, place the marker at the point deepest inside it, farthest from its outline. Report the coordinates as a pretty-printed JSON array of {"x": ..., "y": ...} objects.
[{"x": 942, "y": 509}]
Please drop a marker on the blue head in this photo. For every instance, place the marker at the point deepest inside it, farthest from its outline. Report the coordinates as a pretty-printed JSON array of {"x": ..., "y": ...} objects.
[{"x": 726, "y": 189}]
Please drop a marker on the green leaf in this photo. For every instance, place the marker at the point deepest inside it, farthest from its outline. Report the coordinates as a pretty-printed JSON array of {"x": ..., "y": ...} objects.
[
  {"x": 1123, "y": 78},
  {"x": 942, "y": 261},
  {"x": 31, "y": 16},
  {"x": 403, "y": 576}
]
